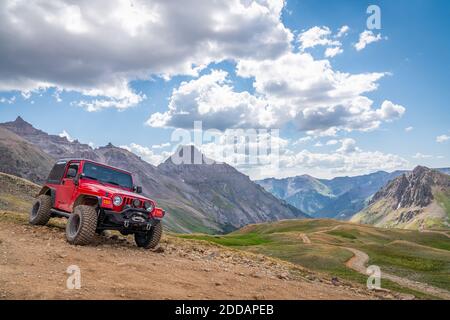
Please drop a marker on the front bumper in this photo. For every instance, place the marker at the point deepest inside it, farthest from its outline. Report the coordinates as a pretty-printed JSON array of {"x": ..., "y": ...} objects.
[{"x": 129, "y": 220}]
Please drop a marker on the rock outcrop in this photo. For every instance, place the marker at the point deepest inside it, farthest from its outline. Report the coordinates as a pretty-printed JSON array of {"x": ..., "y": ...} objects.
[{"x": 417, "y": 199}]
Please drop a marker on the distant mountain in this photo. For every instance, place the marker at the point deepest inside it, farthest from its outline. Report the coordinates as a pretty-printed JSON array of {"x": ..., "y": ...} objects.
[
  {"x": 415, "y": 200},
  {"x": 304, "y": 192},
  {"x": 56, "y": 146},
  {"x": 23, "y": 159},
  {"x": 444, "y": 170},
  {"x": 225, "y": 192},
  {"x": 198, "y": 197},
  {"x": 338, "y": 198}
]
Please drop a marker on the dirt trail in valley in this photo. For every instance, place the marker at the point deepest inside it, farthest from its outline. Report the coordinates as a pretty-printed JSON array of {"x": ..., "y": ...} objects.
[
  {"x": 34, "y": 260},
  {"x": 435, "y": 231},
  {"x": 305, "y": 238},
  {"x": 359, "y": 263},
  {"x": 360, "y": 260}
]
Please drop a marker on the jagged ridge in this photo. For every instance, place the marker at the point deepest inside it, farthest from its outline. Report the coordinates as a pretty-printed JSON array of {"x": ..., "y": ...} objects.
[{"x": 417, "y": 199}]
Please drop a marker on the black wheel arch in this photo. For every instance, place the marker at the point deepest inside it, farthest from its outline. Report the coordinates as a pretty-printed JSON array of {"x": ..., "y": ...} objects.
[
  {"x": 87, "y": 199},
  {"x": 46, "y": 190}
]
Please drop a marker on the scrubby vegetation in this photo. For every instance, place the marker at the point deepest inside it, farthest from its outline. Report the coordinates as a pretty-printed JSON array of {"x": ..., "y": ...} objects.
[{"x": 423, "y": 257}]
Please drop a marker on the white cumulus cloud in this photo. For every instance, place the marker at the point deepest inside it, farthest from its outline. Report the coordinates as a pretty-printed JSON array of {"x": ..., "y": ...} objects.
[
  {"x": 65, "y": 134},
  {"x": 343, "y": 31},
  {"x": 316, "y": 36},
  {"x": 366, "y": 37},
  {"x": 98, "y": 48},
  {"x": 146, "y": 153},
  {"x": 293, "y": 88},
  {"x": 419, "y": 155},
  {"x": 333, "y": 51},
  {"x": 442, "y": 138}
]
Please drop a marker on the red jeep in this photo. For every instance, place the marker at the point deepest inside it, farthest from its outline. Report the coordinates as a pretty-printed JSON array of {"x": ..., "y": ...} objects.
[{"x": 96, "y": 197}]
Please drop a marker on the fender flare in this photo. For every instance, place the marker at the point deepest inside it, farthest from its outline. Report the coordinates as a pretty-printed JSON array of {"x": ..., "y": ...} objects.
[
  {"x": 81, "y": 198},
  {"x": 48, "y": 191}
]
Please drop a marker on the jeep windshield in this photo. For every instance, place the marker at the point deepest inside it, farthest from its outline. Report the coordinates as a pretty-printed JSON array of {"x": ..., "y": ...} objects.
[{"x": 107, "y": 175}]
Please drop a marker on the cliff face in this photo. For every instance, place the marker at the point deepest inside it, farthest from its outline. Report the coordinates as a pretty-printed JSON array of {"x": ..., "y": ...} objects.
[
  {"x": 417, "y": 199},
  {"x": 224, "y": 191}
]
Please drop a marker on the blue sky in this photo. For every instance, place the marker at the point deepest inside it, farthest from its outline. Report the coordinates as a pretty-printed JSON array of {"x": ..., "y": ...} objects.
[{"x": 56, "y": 69}]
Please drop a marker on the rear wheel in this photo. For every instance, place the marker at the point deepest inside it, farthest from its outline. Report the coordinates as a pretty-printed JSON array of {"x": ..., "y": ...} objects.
[
  {"x": 40, "y": 211},
  {"x": 80, "y": 229},
  {"x": 149, "y": 239}
]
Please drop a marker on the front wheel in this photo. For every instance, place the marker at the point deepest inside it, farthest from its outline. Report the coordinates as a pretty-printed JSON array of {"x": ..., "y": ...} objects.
[
  {"x": 149, "y": 239},
  {"x": 80, "y": 229}
]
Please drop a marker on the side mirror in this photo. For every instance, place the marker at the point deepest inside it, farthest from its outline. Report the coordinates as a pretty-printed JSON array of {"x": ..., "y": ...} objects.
[{"x": 137, "y": 189}]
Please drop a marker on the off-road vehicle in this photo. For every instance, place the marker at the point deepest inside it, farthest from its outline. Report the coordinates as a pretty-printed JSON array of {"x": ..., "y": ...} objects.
[{"x": 97, "y": 197}]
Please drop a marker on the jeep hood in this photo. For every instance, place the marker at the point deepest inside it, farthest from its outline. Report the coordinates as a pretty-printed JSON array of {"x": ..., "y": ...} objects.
[{"x": 97, "y": 187}]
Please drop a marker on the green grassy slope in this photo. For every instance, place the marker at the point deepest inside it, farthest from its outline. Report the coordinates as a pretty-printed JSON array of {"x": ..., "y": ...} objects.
[
  {"x": 16, "y": 194},
  {"x": 423, "y": 257}
]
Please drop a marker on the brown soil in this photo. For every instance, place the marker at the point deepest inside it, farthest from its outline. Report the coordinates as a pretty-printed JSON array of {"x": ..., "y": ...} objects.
[{"x": 34, "y": 260}]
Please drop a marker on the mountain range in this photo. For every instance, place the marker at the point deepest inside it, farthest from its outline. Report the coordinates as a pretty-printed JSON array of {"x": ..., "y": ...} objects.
[
  {"x": 217, "y": 198},
  {"x": 198, "y": 197},
  {"x": 338, "y": 198},
  {"x": 415, "y": 200}
]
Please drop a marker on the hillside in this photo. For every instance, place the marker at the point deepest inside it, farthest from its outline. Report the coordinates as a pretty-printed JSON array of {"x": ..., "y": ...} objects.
[
  {"x": 338, "y": 198},
  {"x": 23, "y": 159},
  {"x": 290, "y": 259},
  {"x": 55, "y": 146},
  {"x": 222, "y": 190},
  {"x": 416, "y": 200},
  {"x": 16, "y": 194},
  {"x": 197, "y": 270},
  {"x": 221, "y": 200},
  {"x": 412, "y": 262},
  {"x": 179, "y": 269}
]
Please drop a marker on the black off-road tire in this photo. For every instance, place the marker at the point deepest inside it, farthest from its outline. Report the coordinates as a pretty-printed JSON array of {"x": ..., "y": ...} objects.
[
  {"x": 151, "y": 238},
  {"x": 40, "y": 211},
  {"x": 80, "y": 229}
]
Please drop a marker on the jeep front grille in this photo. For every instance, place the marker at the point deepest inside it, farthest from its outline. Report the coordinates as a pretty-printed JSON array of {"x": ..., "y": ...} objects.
[{"x": 127, "y": 201}]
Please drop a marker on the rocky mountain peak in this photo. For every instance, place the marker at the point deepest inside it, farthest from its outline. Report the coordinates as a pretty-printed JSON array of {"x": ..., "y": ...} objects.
[
  {"x": 19, "y": 120},
  {"x": 21, "y": 126},
  {"x": 186, "y": 155},
  {"x": 413, "y": 189}
]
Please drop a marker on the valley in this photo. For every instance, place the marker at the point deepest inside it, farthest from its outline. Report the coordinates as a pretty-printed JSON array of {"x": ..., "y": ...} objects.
[{"x": 328, "y": 246}]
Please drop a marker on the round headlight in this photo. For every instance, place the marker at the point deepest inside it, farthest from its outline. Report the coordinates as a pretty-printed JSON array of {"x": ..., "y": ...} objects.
[
  {"x": 148, "y": 206},
  {"x": 136, "y": 203},
  {"x": 117, "y": 201}
]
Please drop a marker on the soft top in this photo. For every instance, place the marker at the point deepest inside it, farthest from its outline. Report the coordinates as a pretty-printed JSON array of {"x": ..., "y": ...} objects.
[{"x": 65, "y": 160}]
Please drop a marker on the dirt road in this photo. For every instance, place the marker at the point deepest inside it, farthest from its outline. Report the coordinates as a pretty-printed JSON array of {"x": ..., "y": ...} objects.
[
  {"x": 34, "y": 260},
  {"x": 305, "y": 238},
  {"x": 359, "y": 263}
]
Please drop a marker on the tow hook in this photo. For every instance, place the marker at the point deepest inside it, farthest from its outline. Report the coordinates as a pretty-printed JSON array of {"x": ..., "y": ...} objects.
[{"x": 126, "y": 223}]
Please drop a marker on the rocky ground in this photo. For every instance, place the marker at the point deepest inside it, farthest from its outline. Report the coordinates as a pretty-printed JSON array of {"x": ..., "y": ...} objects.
[{"x": 34, "y": 261}]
